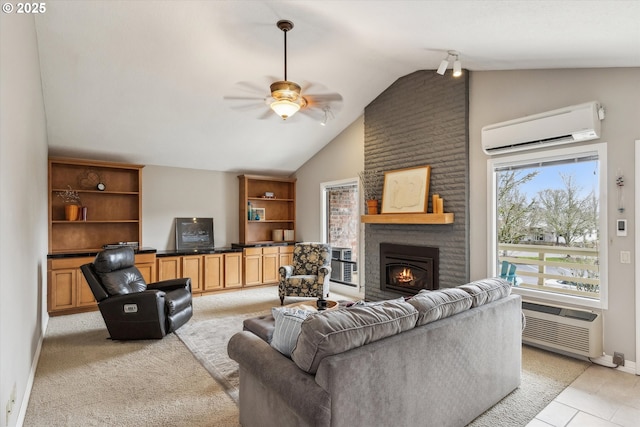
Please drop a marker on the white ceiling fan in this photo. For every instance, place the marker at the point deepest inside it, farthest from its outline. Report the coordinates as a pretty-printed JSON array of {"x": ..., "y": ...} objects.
[{"x": 286, "y": 97}]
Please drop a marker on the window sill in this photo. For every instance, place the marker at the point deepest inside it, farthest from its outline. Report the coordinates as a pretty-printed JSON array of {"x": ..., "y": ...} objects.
[{"x": 559, "y": 299}]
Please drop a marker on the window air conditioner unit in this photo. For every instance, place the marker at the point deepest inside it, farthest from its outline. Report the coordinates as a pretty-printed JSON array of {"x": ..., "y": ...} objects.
[
  {"x": 568, "y": 330},
  {"x": 341, "y": 271},
  {"x": 563, "y": 126}
]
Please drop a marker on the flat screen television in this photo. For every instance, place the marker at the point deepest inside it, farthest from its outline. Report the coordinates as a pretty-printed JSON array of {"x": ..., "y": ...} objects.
[{"x": 193, "y": 234}]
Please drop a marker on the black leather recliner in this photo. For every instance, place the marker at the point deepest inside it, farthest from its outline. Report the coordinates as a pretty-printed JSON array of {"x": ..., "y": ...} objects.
[{"x": 131, "y": 309}]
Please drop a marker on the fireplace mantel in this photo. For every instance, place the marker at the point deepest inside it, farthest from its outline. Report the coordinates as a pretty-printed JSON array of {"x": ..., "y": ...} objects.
[{"x": 404, "y": 218}]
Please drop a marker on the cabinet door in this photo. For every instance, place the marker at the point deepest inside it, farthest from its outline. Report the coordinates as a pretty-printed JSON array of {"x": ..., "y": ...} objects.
[
  {"x": 213, "y": 272},
  {"x": 192, "y": 267},
  {"x": 286, "y": 255},
  {"x": 233, "y": 270},
  {"x": 148, "y": 272},
  {"x": 270, "y": 260},
  {"x": 169, "y": 268},
  {"x": 63, "y": 288},
  {"x": 252, "y": 268},
  {"x": 84, "y": 296}
]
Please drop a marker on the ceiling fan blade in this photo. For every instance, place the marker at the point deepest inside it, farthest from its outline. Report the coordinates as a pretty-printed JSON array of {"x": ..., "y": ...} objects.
[
  {"x": 267, "y": 114},
  {"x": 243, "y": 98},
  {"x": 252, "y": 88},
  {"x": 327, "y": 97}
]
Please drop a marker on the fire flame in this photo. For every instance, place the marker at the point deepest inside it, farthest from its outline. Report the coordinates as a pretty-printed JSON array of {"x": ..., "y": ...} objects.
[{"x": 405, "y": 276}]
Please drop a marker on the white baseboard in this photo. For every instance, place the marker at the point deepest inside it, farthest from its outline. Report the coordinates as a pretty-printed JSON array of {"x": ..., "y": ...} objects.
[
  {"x": 32, "y": 376},
  {"x": 607, "y": 361}
]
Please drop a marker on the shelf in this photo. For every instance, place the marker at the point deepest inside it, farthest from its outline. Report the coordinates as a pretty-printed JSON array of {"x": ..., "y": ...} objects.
[
  {"x": 269, "y": 220},
  {"x": 132, "y": 193},
  {"x": 444, "y": 218},
  {"x": 110, "y": 221},
  {"x": 269, "y": 199}
]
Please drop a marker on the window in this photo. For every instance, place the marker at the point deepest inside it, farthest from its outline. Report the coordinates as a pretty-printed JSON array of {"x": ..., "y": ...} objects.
[{"x": 548, "y": 216}]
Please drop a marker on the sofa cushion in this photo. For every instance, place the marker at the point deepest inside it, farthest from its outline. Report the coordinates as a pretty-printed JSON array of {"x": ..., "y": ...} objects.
[
  {"x": 436, "y": 305},
  {"x": 336, "y": 331},
  {"x": 486, "y": 290},
  {"x": 287, "y": 328}
]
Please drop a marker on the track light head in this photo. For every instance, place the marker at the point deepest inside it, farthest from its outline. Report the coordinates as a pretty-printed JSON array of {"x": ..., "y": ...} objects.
[
  {"x": 457, "y": 66},
  {"x": 443, "y": 67}
]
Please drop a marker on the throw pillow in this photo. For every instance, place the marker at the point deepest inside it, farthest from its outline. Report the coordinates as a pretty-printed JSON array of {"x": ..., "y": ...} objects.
[
  {"x": 287, "y": 328},
  {"x": 363, "y": 303},
  {"x": 436, "y": 305},
  {"x": 487, "y": 290},
  {"x": 336, "y": 331}
]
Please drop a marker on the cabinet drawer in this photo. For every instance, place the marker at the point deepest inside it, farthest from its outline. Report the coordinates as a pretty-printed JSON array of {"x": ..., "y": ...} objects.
[
  {"x": 253, "y": 251},
  {"x": 270, "y": 250}
]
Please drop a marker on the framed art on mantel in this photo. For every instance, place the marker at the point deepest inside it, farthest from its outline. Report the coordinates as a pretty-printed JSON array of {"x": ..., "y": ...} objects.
[{"x": 406, "y": 190}]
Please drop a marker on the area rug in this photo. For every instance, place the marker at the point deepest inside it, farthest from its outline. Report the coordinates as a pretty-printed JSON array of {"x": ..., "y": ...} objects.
[{"x": 208, "y": 340}]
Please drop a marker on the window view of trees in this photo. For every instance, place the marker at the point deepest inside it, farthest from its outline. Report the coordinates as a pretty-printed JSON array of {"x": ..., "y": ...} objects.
[{"x": 548, "y": 226}]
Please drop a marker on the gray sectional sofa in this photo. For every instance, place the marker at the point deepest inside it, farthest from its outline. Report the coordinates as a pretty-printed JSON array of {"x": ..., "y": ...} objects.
[{"x": 440, "y": 359}]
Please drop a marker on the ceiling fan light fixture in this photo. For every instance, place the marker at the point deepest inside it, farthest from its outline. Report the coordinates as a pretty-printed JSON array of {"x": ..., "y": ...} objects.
[
  {"x": 285, "y": 108},
  {"x": 287, "y": 99}
]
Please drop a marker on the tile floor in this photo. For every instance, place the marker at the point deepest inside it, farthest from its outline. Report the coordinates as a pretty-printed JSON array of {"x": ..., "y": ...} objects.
[{"x": 600, "y": 397}]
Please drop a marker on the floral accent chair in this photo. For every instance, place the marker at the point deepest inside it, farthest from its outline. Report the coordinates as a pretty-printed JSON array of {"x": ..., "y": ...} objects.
[{"x": 310, "y": 273}]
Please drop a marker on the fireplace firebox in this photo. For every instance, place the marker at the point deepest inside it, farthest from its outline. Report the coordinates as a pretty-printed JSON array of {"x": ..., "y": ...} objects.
[{"x": 408, "y": 268}]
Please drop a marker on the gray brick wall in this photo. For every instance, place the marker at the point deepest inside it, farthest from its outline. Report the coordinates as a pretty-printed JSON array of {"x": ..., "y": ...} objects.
[{"x": 422, "y": 119}]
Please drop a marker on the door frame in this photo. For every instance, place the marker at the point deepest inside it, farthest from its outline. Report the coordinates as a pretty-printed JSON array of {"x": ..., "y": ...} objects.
[{"x": 324, "y": 186}]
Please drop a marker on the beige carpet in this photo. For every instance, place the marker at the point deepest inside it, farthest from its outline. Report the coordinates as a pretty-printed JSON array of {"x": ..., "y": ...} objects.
[{"x": 84, "y": 379}]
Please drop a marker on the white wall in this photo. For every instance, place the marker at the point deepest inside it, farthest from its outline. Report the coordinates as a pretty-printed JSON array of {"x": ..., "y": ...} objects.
[
  {"x": 23, "y": 215},
  {"x": 169, "y": 193},
  {"x": 499, "y": 96},
  {"x": 342, "y": 158}
]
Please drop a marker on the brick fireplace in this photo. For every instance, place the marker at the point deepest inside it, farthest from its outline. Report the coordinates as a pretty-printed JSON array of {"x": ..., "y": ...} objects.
[{"x": 421, "y": 119}]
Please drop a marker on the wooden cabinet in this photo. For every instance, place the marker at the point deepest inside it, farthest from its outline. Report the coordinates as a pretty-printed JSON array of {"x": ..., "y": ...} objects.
[
  {"x": 233, "y": 270},
  {"x": 262, "y": 265},
  {"x": 112, "y": 215},
  {"x": 208, "y": 272},
  {"x": 67, "y": 289},
  {"x": 275, "y": 199},
  {"x": 213, "y": 272},
  {"x": 252, "y": 266},
  {"x": 285, "y": 255},
  {"x": 193, "y": 266}
]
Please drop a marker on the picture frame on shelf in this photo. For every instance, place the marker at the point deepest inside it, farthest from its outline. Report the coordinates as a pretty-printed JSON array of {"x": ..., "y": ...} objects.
[
  {"x": 194, "y": 234},
  {"x": 259, "y": 214},
  {"x": 406, "y": 190}
]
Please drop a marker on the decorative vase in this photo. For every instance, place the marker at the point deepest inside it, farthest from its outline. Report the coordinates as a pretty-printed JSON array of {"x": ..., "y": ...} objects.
[
  {"x": 71, "y": 212},
  {"x": 372, "y": 207}
]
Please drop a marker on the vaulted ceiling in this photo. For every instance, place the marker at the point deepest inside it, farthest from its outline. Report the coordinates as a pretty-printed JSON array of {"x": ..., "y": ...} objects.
[{"x": 149, "y": 81}]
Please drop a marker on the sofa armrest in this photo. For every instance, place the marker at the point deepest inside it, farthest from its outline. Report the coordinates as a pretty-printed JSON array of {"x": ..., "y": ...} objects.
[
  {"x": 281, "y": 376},
  {"x": 171, "y": 284}
]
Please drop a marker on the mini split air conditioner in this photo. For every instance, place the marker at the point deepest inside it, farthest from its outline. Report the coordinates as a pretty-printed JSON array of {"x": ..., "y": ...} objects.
[
  {"x": 563, "y": 126},
  {"x": 563, "y": 329}
]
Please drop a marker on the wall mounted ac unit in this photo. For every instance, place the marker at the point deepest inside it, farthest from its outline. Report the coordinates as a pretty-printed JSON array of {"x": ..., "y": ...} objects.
[
  {"x": 565, "y": 125},
  {"x": 568, "y": 330}
]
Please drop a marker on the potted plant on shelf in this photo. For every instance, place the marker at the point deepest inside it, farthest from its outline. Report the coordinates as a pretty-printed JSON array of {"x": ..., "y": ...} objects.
[
  {"x": 370, "y": 180},
  {"x": 72, "y": 203}
]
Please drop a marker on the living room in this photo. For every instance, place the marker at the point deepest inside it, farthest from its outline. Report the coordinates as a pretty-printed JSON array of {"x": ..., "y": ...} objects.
[{"x": 493, "y": 96}]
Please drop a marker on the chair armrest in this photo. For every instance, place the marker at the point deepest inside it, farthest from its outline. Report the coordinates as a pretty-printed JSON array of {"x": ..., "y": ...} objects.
[
  {"x": 171, "y": 284},
  {"x": 324, "y": 271},
  {"x": 150, "y": 296},
  {"x": 285, "y": 271}
]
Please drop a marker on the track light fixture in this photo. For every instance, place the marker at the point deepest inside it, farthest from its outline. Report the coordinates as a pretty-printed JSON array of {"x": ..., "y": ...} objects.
[{"x": 457, "y": 66}]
